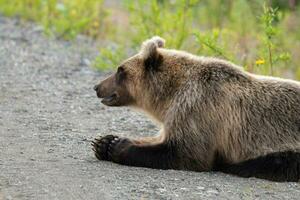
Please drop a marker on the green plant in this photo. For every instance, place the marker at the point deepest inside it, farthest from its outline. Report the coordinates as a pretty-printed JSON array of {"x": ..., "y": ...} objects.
[
  {"x": 109, "y": 57},
  {"x": 210, "y": 43},
  {"x": 169, "y": 19},
  {"x": 69, "y": 18},
  {"x": 253, "y": 34},
  {"x": 62, "y": 18},
  {"x": 271, "y": 52},
  {"x": 264, "y": 32}
]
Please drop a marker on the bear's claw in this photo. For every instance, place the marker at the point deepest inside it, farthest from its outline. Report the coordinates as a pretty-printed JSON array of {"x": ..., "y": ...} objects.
[{"x": 103, "y": 146}]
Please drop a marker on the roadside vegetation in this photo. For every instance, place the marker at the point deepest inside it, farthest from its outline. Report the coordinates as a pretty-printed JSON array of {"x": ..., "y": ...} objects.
[{"x": 262, "y": 36}]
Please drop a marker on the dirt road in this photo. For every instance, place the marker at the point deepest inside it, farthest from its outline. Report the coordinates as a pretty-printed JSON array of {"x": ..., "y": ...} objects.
[{"x": 48, "y": 115}]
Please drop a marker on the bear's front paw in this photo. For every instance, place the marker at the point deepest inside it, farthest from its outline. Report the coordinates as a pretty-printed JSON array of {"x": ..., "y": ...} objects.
[
  {"x": 111, "y": 148},
  {"x": 101, "y": 146}
]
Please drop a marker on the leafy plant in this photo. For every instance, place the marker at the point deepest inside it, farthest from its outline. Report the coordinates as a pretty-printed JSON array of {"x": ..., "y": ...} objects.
[
  {"x": 169, "y": 19},
  {"x": 271, "y": 51},
  {"x": 210, "y": 44},
  {"x": 109, "y": 57},
  {"x": 62, "y": 18},
  {"x": 262, "y": 36}
]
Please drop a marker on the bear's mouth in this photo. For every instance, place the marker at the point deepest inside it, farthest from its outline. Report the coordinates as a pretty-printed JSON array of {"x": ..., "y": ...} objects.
[{"x": 110, "y": 100}]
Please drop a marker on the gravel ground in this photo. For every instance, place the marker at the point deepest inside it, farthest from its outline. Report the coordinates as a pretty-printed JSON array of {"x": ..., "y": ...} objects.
[{"x": 48, "y": 115}]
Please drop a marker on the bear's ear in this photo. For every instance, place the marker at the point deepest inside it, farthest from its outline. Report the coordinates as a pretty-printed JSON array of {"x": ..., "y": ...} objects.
[{"x": 152, "y": 58}]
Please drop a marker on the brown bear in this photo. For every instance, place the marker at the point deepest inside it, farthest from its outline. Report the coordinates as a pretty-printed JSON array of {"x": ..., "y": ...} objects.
[{"x": 214, "y": 116}]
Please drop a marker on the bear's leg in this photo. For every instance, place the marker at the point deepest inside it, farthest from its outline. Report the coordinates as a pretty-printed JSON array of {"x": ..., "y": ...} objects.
[{"x": 143, "y": 153}]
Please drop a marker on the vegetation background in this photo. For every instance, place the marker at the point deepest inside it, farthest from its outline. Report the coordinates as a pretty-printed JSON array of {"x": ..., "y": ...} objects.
[{"x": 263, "y": 36}]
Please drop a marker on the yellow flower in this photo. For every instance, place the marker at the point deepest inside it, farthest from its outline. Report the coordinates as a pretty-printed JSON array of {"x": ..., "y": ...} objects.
[
  {"x": 260, "y": 62},
  {"x": 96, "y": 24},
  {"x": 73, "y": 12}
]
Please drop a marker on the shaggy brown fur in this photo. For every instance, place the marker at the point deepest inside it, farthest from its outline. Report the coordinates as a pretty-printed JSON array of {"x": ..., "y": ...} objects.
[{"x": 214, "y": 115}]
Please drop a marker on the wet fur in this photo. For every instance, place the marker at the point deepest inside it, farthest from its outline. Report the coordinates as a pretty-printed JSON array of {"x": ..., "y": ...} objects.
[{"x": 214, "y": 116}]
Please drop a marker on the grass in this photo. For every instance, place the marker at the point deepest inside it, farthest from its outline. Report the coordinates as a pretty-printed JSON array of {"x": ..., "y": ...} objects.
[
  {"x": 62, "y": 18},
  {"x": 262, "y": 36}
]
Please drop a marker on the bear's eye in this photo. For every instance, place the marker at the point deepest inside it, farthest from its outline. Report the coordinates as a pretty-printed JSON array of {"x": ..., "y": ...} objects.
[{"x": 120, "y": 75}]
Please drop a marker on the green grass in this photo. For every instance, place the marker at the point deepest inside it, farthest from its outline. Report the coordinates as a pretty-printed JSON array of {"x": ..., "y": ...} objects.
[
  {"x": 62, "y": 18},
  {"x": 262, "y": 36}
]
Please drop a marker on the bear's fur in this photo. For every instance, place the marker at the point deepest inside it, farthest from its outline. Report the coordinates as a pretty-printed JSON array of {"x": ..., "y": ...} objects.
[{"x": 214, "y": 116}]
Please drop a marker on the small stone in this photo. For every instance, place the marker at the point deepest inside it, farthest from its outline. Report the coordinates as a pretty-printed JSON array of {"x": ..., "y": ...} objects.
[
  {"x": 85, "y": 62},
  {"x": 212, "y": 191},
  {"x": 200, "y": 188},
  {"x": 184, "y": 189},
  {"x": 162, "y": 190},
  {"x": 50, "y": 151}
]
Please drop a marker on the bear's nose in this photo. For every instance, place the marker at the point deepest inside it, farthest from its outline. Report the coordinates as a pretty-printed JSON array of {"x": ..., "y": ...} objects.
[{"x": 96, "y": 87}]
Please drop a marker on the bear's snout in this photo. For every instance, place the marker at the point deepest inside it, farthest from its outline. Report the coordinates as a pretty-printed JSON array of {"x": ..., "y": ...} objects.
[{"x": 98, "y": 92}]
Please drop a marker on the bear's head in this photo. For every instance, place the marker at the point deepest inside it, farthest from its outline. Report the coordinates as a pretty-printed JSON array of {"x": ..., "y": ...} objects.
[{"x": 145, "y": 80}]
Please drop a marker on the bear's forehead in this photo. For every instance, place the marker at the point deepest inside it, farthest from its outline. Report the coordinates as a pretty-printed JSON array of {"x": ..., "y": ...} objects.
[{"x": 132, "y": 62}]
